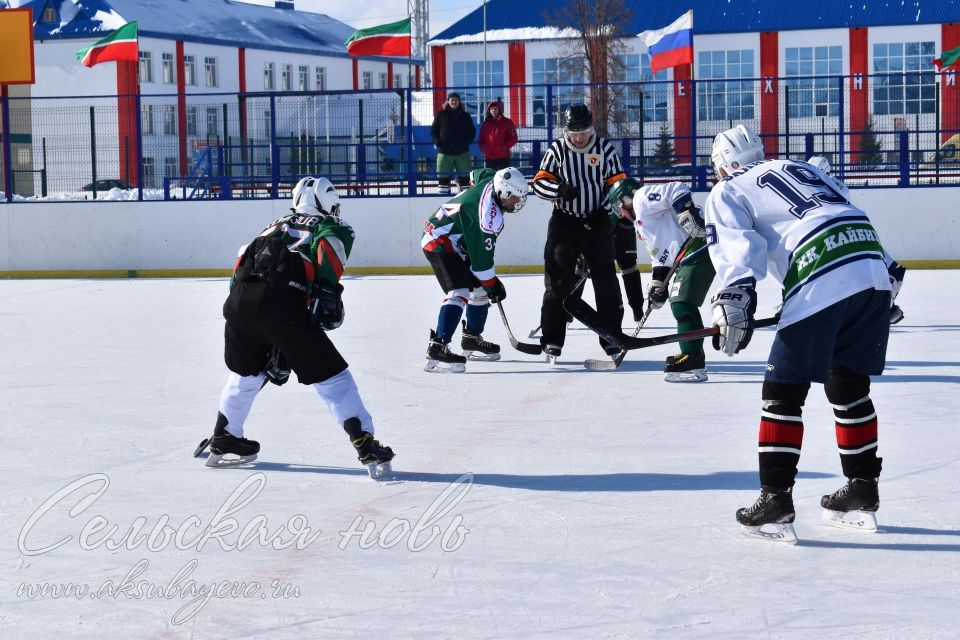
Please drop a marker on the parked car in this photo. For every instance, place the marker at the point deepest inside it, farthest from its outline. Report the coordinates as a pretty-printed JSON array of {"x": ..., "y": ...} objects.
[{"x": 106, "y": 185}]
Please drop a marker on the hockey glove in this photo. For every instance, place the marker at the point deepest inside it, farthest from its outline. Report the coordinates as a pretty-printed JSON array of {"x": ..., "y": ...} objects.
[
  {"x": 657, "y": 292},
  {"x": 277, "y": 369},
  {"x": 495, "y": 290},
  {"x": 692, "y": 221},
  {"x": 567, "y": 192},
  {"x": 733, "y": 309},
  {"x": 326, "y": 307}
]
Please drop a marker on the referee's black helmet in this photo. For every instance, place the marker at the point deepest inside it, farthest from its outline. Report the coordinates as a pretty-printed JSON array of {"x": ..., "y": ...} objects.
[{"x": 577, "y": 117}]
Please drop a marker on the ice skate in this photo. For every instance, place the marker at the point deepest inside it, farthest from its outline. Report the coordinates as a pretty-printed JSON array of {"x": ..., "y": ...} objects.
[
  {"x": 440, "y": 359},
  {"x": 773, "y": 510},
  {"x": 476, "y": 348},
  {"x": 223, "y": 443},
  {"x": 373, "y": 455},
  {"x": 552, "y": 352},
  {"x": 853, "y": 506},
  {"x": 686, "y": 367}
]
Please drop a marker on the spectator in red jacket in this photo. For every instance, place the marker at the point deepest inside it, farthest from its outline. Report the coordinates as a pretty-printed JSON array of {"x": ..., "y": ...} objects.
[{"x": 498, "y": 134}]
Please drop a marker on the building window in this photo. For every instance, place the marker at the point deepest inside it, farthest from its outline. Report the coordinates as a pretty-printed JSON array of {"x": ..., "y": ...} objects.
[
  {"x": 49, "y": 15},
  {"x": 383, "y": 80},
  {"x": 303, "y": 78},
  {"x": 213, "y": 118},
  {"x": 398, "y": 81},
  {"x": 171, "y": 167},
  {"x": 146, "y": 66},
  {"x": 814, "y": 96},
  {"x": 900, "y": 87},
  {"x": 269, "y": 77},
  {"x": 721, "y": 95},
  {"x": 321, "y": 78},
  {"x": 555, "y": 71},
  {"x": 653, "y": 96},
  {"x": 286, "y": 77},
  {"x": 469, "y": 75},
  {"x": 191, "y": 121},
  {"x": 146, "y": 119},
  {"x": 210, "y": 71},
  {"x": 169, "y": 119},
  {"x": 168, "y": 75},
  {"x": 190, "y": 69},
  {"x": 149, "y": 172},
  {"x": 368, "y": 80}
]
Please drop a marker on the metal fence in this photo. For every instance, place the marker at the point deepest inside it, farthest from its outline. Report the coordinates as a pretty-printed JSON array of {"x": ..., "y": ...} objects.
[{"x": 884, "y": 130}]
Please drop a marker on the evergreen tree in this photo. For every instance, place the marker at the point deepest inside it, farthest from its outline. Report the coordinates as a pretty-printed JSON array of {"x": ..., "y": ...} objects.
[
  {"x": 870, "y": 145},
  {"x": 663, "y": 152}
]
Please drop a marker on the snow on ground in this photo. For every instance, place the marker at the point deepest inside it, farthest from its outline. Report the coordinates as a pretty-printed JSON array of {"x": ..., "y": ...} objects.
[{"x": 531, "y": 501}]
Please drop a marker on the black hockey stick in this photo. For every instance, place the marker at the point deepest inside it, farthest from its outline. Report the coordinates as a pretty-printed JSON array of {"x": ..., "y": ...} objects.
[
  {"x": 580, "y": 283},
  {"x": 609, "y": 365},
  {"x": 591, "y": 319},
  {"x": 523, "y": 347}
]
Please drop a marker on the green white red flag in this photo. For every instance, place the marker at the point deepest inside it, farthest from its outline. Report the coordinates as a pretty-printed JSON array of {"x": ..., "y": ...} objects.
[
  {"x": 947, "y": 58},
  {"x": 119, "y": 45},
  {"x": 385, "y": 40}
]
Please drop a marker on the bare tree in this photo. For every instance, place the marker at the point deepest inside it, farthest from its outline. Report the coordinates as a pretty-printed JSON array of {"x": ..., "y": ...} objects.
[{"x": 600, "y": 45}]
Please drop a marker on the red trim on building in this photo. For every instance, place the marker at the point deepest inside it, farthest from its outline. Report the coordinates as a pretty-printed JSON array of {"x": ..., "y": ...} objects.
[
  {"x": 181, "y": 107},
  {"x": 770, "y": 93},
  {"x": 949, "y": 90},
  {"x": 356, "y": 74},
  {"x": 389, "y": 75},
  {"x": 242, "y": 84},
  {"x": 859, "y": 88},
  {"x": 127, "y": 89},
  {"x": 417, "y": 73},
  {"x": 438, "y": 57},
  {"x": 683, "y": 110},
  {"x": 517, "y": 68}
]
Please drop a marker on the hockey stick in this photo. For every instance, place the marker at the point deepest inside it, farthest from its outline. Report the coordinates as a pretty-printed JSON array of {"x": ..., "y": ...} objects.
[
  {"x": 523, "y": 347},
  {"x": 608, "y": 365},
  {"x": 580, "y": 282},
  {"x": 591, "y": 319}
]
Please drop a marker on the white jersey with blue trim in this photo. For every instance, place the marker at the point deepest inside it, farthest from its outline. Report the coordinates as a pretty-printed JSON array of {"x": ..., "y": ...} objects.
[
  {"x": 786, "y": 217},
  {"x": 656, "y": 207}
]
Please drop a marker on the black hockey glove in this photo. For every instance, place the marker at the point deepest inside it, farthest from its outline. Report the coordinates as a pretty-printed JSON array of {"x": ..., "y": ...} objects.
[
  {"x": 692, "y": 221},
  {"x": 657, "y": 291},
  {"x": 495, "y": 290},
  {"x": 567, "y": 192},
  {"x": 326, "y": 307},
  {"x": 277, "y": 369},
  {"x": 733, "y": 309}
]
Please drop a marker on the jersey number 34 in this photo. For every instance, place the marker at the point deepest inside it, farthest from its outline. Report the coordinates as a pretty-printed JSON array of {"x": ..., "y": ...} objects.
[{"x": 801, "y": 188}]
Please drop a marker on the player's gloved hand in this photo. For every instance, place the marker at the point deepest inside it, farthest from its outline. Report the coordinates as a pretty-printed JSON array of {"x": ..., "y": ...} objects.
[
  {"x": 896, "y": 272},
  {"x": 277, "y": 369},
  {"x": 567, "y": 191},
  {"x": 495, "y": 290},
  {"x": 692, "y": 221},
  {"x": 582, "y": 269},
  {"x": 326, "y": 306},
  {"x": 657, "y": 292},
  {"x": 733, "y": 309}
]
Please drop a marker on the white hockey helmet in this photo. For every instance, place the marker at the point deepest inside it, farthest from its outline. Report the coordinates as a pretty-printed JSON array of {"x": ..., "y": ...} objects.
[
  {"x": 735, "y": 148},
  {"x": 510, "y": 182},
  {"x": 820, "y": 163},
  {"x": 316, "y": 196}
]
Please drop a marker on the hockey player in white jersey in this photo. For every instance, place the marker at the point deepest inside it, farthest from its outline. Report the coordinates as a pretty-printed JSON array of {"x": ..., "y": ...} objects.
[
  {"x": 785, "y": 218},
  {"x": 665, "y": 217}
]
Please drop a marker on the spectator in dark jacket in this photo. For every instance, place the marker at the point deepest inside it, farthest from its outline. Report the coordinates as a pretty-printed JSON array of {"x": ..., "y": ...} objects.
[
  {"x": 452, "y": 132},
  {"x": 498, "y": 134}
]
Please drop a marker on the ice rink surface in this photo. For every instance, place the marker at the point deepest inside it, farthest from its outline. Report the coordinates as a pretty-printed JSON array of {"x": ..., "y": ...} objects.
[{"x": 530, "y": 501}]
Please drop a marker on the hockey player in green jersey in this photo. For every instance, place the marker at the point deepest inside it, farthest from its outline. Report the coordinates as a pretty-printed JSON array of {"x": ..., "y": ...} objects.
[
  {"x": 459, "y": 242},
  {"x": 284, "y": 298}
]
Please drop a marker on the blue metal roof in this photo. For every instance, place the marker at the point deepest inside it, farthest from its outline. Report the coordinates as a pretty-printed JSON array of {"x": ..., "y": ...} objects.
[
  {"x": 722, "y": 16},
  {"x": 223, "y": 22}
]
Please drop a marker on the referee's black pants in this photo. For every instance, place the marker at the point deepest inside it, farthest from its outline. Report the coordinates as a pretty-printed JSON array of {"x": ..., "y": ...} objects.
[{"x": 568, "y": 238}]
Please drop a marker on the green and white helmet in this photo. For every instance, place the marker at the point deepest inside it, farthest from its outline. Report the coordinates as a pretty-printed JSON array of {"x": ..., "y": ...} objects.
[{"x": 621, "y": 193}]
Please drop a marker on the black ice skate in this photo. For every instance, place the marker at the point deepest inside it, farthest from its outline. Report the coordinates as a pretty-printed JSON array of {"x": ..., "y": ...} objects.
[
  {"x": 476, "y": 348},
  {"x": 440, "y": 359},
  {"x": 773, "y": 509},
  {"x": 686, "y": 367},
  {"x": 853, "y": 505},
  {"x": 552, "y": 352},
  {"x": 223, "y": 443},
  {"x": 375, "y": 456}
]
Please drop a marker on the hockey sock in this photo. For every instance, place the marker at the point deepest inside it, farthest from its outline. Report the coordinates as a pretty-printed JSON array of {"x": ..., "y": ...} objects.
[
  {"x": 477, "y": 317},
  {"x": 856, "y": 423},
  {"x": 450, "y": 313},
  {"x": 781, "y": 433},
  {"x": 237, "y": 398},
  {"x": 343, "y": 399},
  {"x": 688, "y": 319}
]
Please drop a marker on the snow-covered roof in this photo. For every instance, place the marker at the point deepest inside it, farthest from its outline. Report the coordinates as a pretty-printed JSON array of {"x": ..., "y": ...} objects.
[
  {"x": 224, "y": 22},
  {"x": 511, "y": 20}
]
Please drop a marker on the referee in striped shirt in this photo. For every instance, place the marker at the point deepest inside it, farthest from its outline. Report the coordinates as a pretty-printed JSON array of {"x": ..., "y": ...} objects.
[{"x": 576, "y": 172}]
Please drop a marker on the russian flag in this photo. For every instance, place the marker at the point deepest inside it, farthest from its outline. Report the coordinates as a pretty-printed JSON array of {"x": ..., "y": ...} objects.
[{"x": 672, "y": 45}]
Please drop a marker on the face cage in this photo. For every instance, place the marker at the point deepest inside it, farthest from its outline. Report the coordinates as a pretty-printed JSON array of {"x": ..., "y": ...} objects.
[
  {"x": 519, "y": 205},
  {"x": 589, "y": 131}
]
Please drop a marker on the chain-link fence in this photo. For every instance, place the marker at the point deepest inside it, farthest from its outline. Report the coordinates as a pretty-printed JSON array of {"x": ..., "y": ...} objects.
[{"x": 878, "y": 130}]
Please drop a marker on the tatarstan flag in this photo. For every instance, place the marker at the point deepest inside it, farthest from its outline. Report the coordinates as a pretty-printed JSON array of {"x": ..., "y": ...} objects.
[
  {"x": 386, "y": 40},
  {"x": 119, "y": 45},
  {"x": 947, "y": 58}
]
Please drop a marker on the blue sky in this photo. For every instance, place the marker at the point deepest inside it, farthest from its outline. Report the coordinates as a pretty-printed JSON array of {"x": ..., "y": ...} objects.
[{"x": 443, "y": 13}]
